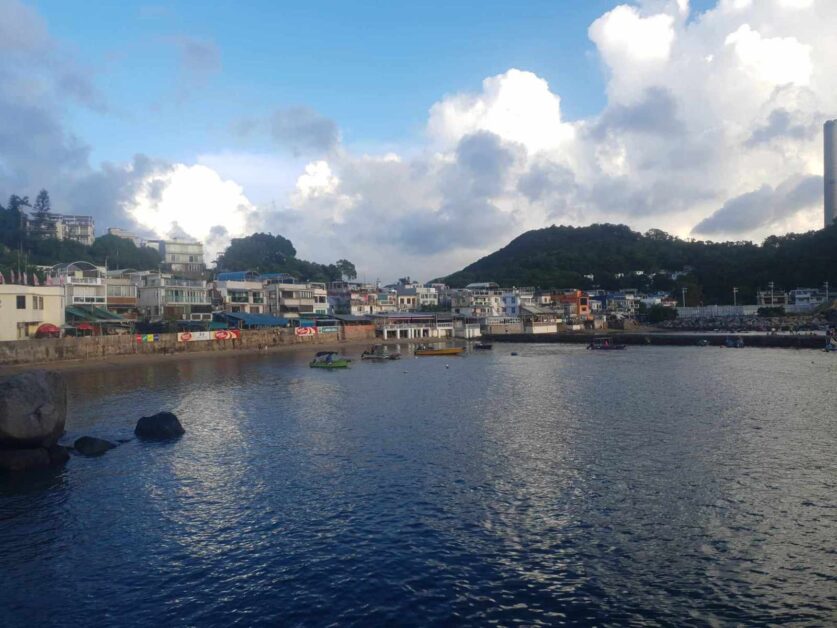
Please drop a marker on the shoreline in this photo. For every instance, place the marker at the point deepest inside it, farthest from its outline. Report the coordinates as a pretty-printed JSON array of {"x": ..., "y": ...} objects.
[{"x": 127, "y": 360}]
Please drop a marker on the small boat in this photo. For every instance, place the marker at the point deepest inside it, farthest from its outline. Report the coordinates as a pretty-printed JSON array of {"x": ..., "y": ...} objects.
[
  {"x": 604, "y": 343},
  {"x": 379, "y": 353},
  {"x": 329, "y": 360},
  {"x": 428, "y": 350},
  {"x": 734, "y": 343},
  {"x": 483, "y": 346},
  {"x": 703, "y": 342}
]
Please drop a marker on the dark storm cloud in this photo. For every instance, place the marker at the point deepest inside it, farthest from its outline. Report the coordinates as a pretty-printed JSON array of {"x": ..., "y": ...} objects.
[
  {"x": 762, "y": 207},
  {"x": 104, "y": 193}
]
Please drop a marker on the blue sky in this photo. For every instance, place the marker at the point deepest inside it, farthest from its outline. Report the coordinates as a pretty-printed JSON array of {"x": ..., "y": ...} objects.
[
  {"x": 375, "y": 68},
  {"x": 413, "y": 138}
]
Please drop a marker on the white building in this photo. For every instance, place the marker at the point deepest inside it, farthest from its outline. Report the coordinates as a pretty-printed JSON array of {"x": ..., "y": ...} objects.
[
  {"x": 174, "y": 298},
  {"x": 83, "y": 283},
  {"x": 180, "y": 256},
  {"x": 296, "y": 300},
  {"x": 25, "y": 308},
  {"x": 81, "y": 229}
]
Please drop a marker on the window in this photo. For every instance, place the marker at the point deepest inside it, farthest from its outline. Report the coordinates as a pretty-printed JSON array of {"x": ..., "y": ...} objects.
[{"x": 21, "y": 302}]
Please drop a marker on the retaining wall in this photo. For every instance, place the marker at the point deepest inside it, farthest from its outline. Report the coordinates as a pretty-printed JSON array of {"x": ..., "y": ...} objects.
[
  {"x": 35, "y": 350},
  {"x": 750, "y": 340}
]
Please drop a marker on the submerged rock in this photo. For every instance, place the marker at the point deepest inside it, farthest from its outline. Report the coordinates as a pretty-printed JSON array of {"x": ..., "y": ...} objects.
[
  {"x": 24, "y": 459},
  {"x": 160, "y": 426},
  {"x": 33, "y": 409},
  {"x": 58, "y": 455},
  {"x": 90, "y": 446}
]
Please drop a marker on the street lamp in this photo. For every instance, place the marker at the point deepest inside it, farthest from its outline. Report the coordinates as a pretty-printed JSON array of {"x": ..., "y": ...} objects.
[
  {"x": 683, "y": 290},
  {"x": 826, "y": 292},
  {"x": 734, "y": 295}
]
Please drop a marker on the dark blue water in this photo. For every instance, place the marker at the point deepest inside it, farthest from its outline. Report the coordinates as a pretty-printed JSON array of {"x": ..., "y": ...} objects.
[{"x": 656, "y": 485}]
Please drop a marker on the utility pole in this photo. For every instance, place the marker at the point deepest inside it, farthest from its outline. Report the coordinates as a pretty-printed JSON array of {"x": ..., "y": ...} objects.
[
  {"x": 734, "y": 296},
  {"x": 683, "y": 290},
  {"x": 826, "y": 292}
]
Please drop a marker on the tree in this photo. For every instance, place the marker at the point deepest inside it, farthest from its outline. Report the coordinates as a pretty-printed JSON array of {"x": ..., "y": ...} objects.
[
  {"x": 346, "y": 268},
  {"x": 41, "y": 220},
  {"x": 12, "y": 221}
]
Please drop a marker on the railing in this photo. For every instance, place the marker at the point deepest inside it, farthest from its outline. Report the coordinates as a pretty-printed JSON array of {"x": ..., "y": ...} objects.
[{"x": 84, "y": 281}]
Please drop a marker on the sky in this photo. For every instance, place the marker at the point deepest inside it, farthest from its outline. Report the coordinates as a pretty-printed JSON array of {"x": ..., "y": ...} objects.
[{"x": 415, "y": 138}]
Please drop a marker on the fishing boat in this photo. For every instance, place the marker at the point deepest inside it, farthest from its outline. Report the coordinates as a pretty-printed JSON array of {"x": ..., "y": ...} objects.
[
  {"x": 379, "y": 353},
  {"x": 329, "y": 360},
  {"x": 427, "y": 350},
  {"x": 483, "y": 346},
  {"x": 604, "y": 343}
]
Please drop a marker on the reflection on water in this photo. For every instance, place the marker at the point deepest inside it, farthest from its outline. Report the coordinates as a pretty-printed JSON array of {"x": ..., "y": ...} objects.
[{"x": 655, "y": 485}]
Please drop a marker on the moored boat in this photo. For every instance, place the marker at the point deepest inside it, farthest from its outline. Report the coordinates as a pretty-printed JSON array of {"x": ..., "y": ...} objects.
[
  {"x": 604, "y": 343},
  {"x": 428, "y": 350},
  {"x": 483, "y": 346},
  {"x": 379, "y": 353},
  {"x": 329, "y": 360}
]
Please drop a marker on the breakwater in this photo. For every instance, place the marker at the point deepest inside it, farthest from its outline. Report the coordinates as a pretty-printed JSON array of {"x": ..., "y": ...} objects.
[
  {"x": 40, "y": 350},
  {"x": 682, "y": 340}
]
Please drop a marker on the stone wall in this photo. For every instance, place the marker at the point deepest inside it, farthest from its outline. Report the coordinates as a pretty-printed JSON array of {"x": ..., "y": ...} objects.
[{"x": 37, "y": 350}]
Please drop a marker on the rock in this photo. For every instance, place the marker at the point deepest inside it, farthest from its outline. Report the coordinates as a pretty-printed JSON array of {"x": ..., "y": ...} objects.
[
  {"x": 90, "y": 446},
  {"x": 160, "y": 426},
  {"x": 33, "y": 409},
  {"x": 58, "y": 455},
  {"x": 23, "y": 459}
]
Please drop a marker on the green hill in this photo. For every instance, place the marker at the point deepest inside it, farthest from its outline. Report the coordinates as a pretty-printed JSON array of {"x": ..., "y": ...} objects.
[{"x": 562, "y": 257}]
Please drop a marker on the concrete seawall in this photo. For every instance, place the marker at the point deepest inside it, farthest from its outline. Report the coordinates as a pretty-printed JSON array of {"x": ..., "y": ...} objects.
[
  {"x": 34, "y": 350},
  {"x": 683, "y": 340}
]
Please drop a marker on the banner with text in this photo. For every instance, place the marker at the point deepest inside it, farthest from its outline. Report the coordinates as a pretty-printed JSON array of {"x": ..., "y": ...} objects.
[{"x": 220, "y": 334}]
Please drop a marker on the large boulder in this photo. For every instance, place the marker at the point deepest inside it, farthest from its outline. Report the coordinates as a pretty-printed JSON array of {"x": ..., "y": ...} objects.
[
  {"x": 160, "y": 426},
  {"x": 24, "y": 459},
  {"x": 33, "y": 409},
  {"x": 90, "y": 446}
]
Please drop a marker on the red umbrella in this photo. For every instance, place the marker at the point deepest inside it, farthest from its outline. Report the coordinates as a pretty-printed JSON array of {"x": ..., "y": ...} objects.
[
  {"x": 85, "y": 327},
  {"x": 47, "y": 329}
]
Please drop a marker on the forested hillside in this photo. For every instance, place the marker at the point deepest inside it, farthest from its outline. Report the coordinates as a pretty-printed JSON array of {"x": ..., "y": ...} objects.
[{"x": 561, "y": 257}]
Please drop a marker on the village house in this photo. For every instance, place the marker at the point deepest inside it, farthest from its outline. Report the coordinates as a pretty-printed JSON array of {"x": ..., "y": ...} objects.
[
  {"x": 83, "y": 283},
  {"x": 24, "y": 309},
  {"x": 166, "y": 296}
]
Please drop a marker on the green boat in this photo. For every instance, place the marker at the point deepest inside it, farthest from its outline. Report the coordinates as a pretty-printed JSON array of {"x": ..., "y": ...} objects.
[{"x": 329, "y": 360}]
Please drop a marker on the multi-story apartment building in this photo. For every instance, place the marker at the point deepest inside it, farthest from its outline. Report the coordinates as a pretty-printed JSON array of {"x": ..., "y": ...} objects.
[
  {"x": 478, "y": 300},
  {"x": 296, "y": 300},
  {"x": 170, "y": 297},
  {"x": 81, "y": 229},
  {"x": 239, "y": 292},
  {"x": 23, "y": 309},
  {"x": 180, "y": 257}
]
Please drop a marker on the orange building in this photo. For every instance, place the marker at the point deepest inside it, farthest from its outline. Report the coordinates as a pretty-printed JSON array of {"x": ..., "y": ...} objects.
[{"x": 576, "y": 303}]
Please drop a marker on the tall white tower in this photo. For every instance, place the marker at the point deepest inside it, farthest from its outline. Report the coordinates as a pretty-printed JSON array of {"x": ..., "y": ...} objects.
[{"x": 830, "y": 171}]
